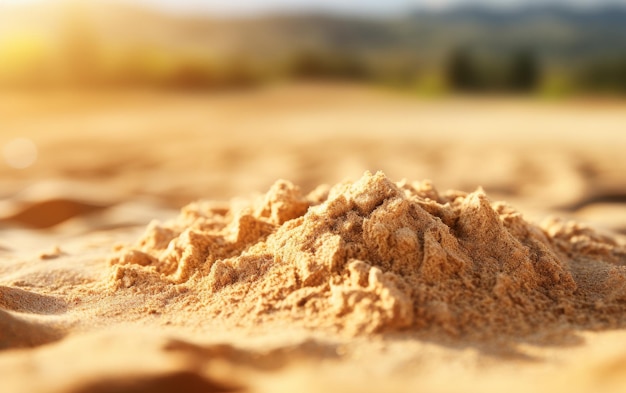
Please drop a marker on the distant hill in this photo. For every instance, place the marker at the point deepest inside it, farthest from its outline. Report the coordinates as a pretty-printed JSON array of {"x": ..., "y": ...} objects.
[{"x": 554, "y": 31}]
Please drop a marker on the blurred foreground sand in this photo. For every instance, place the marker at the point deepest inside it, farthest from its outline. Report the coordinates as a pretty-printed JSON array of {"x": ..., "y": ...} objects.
[{"x": 108, "y": 163}]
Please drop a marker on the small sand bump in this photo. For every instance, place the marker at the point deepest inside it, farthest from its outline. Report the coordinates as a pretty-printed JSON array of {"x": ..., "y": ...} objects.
[{"x": 21, "y": 332}]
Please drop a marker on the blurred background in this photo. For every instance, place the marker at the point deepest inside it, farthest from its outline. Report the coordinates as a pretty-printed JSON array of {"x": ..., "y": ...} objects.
[
  {"x": 115, "y": 112},
  {"x": 429, "y": 47}
]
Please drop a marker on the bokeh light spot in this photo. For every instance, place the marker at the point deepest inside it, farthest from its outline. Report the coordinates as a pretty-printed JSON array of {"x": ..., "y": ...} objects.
[{"x": 20, "y": 153}]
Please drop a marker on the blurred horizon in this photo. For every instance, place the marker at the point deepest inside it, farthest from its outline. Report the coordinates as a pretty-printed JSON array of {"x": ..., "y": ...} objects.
[{"x": 553, "y": 48}]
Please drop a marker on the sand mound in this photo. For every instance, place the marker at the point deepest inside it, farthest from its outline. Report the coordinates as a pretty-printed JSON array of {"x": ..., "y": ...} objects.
[
  {"x": 21, "y": 331},
  {"x": 374, "y": 256},
  {"x": 20, "y": 322}
]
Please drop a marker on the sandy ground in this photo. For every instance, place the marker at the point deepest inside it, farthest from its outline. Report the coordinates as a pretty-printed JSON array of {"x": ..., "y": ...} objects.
[{"x": 109, "y": 163}]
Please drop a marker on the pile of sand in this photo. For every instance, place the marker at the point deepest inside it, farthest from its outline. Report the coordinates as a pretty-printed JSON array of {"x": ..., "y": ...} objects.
[{"x": 377, "y": 256}]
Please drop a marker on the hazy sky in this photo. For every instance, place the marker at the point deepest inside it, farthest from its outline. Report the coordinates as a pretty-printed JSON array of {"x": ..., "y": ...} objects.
[
  {"x": 343, "y": 6},
  {"x": 348, "y": 6}
]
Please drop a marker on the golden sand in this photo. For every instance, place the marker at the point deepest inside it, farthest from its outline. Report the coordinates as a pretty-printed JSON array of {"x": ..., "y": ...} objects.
[{"x": 374, "y": 284}]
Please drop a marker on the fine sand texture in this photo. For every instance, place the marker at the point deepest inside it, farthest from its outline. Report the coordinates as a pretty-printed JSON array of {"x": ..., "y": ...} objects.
[{"x": 310, "y": 238}]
